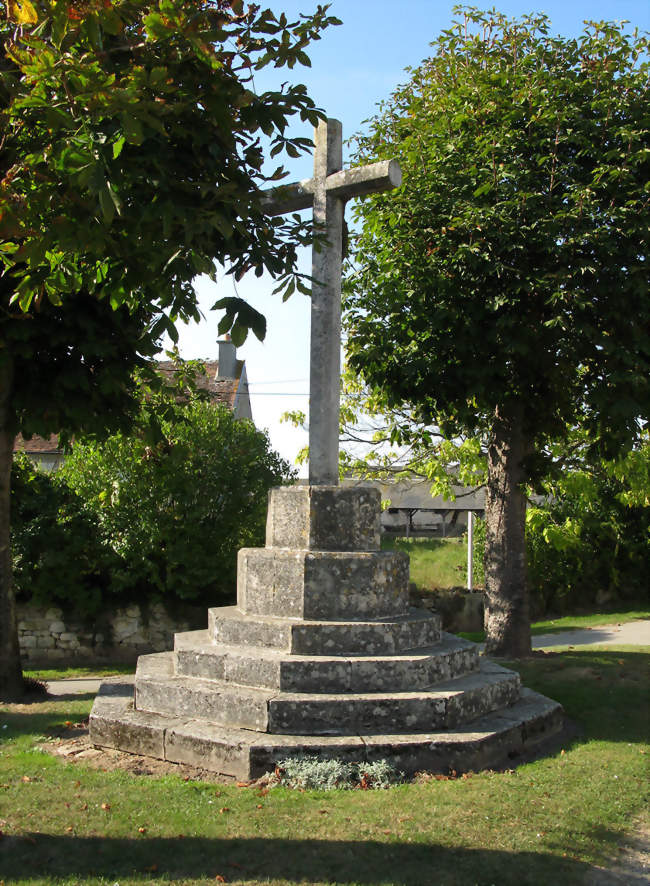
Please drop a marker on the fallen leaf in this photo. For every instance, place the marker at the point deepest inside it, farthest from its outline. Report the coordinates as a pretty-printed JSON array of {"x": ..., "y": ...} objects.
[
  {"x": 106, "y": 805},
  {"x": 25, "y": 778},
  {"x": 224, "y": 809},
  {"x": 259, "y": 806},
  {"x": 69, "y": 829},
  {"x": 220, "y": 879},
  {"x": 243, "y": 784},
  {"x": 84, "y": 807},
  {"x": 77, "y": 784},
  {"x": 142, "y": 830},
  {"x": 323, "y": 812}
]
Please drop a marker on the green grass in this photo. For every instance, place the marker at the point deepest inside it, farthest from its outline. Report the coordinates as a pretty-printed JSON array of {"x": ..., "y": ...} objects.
[
  {"x": 545, "y": 822},
  {"x": 68, "y": 673},
  {"x": 435, "y": 562}
]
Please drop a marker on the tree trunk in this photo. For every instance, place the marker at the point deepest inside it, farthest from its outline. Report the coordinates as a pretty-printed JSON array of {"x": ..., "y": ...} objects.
[
  {"x": 507, "y": 612},
  {"x": 11, "y": 678}
]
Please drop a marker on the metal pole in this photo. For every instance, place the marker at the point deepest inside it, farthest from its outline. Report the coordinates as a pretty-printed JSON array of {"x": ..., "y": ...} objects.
[{"x": 470, "y": 550}]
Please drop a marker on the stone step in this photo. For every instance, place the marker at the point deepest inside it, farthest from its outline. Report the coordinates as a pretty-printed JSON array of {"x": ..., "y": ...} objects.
[
  {"x": 159, "y": 690},
  {"x": 503, "y": 738},
  {"x": 451, "y": 657},
  {"x": 322, "y": 585},
  {"x": 229, "y": 626}
]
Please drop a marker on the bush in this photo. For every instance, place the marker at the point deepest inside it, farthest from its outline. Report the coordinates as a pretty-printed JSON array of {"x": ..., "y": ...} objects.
[
  {"x": 59, "y": 555},
  {"x": 132, "y": 520},
  {"x": 590, "y": 544},
  {"x": 587, "y": 549}
]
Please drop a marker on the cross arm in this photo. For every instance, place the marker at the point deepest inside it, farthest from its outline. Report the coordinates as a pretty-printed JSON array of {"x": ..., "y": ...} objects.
[
  {"x": 348, "y": 183},
  {"x": 361, "y": 180},
  {"x": 289, "y": 198}
]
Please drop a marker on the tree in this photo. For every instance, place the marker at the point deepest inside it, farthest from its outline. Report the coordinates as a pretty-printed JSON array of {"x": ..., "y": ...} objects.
[
  {"x": 131, "y": 160},
  {"x": 503, "y": 291},
  {"x": 128, "y": 519}
]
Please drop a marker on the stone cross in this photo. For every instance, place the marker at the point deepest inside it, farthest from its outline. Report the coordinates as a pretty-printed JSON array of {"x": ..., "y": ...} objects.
[{"x": 327, "y": 192}]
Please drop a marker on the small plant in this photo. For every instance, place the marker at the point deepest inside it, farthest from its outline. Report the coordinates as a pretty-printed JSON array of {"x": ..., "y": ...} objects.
[{"x": 312, "y": 773}]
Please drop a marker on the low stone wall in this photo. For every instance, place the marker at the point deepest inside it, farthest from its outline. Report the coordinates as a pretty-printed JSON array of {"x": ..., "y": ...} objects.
[
  {"x": 47, "y": 635},
  {"x": 460, "y": 610}
]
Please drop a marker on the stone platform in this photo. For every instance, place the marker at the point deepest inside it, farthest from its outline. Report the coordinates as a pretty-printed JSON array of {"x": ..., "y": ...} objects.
[{"x": 323, "y": 656}]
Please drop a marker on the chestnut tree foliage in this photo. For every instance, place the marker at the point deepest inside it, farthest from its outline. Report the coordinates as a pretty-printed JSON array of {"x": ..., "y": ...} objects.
[
  {"x": 131, "y": 159},
  {"x": 502, "y": 292}
]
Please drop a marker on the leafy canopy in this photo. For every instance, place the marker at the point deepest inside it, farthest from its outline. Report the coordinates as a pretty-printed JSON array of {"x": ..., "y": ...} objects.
[
  {"x": 512, "y": 265},
  {"x": 131, "y": 160}
]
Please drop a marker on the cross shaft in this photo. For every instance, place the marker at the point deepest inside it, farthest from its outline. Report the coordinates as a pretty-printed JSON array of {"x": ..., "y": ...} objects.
[{"x": 327, "y": 192}]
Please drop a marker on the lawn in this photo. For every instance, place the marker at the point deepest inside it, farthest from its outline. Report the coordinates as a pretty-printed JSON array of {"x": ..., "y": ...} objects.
[
  {"x": 435, "y": 562},
  {"x": 544, "y": 822}
]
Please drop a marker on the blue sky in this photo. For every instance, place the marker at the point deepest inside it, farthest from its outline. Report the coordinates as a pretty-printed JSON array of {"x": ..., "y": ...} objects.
[{"x": 354, "y": 67}]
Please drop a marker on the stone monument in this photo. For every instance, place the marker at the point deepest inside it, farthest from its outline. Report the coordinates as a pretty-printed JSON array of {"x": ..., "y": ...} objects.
[{"x": 322, "y": 654}]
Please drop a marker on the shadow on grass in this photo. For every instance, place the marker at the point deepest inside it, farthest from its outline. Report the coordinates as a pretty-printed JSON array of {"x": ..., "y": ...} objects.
[
  {"x": 46, "y": 856},
  {"x": 51, "y": 717}
]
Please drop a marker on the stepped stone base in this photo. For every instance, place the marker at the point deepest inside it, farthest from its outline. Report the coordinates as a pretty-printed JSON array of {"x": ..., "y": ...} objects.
[
  {"x": 322, "y": 656},
  {"x": 498, "y": 739}
]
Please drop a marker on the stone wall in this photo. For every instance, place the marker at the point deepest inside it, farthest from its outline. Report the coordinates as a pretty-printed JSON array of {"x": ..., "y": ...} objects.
[
  {"x": 47, "y": 635},
  {"x": 459, "y": 609}
]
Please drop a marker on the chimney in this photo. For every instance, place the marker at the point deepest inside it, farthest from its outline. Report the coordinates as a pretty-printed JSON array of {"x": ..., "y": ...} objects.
[{"x": 227, "y": 359}]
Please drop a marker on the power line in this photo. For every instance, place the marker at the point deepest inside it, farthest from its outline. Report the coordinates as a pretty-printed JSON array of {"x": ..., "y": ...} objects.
[{"x": 285, "y": 381}]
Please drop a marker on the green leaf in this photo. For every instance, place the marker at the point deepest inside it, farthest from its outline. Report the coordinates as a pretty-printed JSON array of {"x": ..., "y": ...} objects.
[
  {"x": 132, "y": 129},
  {"x": 238, "y": 334},
  {"x": 107, "y": 204}
]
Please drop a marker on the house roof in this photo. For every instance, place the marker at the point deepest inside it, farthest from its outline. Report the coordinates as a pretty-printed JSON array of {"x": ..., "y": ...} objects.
[
  {"x": 38, "y": 445},
  {"x": 220, "y": 390}
]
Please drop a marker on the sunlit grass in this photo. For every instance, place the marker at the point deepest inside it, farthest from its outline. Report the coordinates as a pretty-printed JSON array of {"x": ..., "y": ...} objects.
[{"x": 544, "y": 822}]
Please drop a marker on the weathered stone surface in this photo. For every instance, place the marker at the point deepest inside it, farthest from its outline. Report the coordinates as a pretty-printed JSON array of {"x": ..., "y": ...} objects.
[
  {"x": 190, "y": 639},
  {"x": 324, "y": 518},
  {"x": 452, "y": 657},
  {"x": 157, "y": 690},
  {"x": 461, "y": 700},
  {"x": 205, "y": 746},
  {"x": 230, "y": 627},
  {"x": 321, "y": 585},
  {"x": 498, "y": 739},
  {"x": 114, "y": 723}
]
